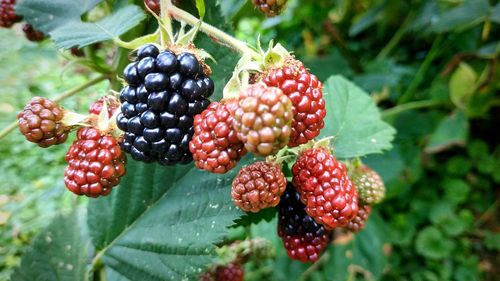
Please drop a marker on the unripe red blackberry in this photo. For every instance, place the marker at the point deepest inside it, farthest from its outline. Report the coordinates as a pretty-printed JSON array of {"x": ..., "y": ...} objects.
[
  {"x": 215, "y": 145},
  {"x": 306, "y": 93},
  {"x": 112, "y": 104},
  {"x": 41, "y": 122},
  {"x": 270, "y": 8},
  {"x": 330, "y": 197},
  {"x": 230, "y": 272},
  {"x": 95, "y": 163},
  {"x": 369, "y": 185},
  {"x": 8, "y": 14},
  {"x": 263, "y": 119},
  {"x": 165, "y": 91},
  {"x": 303, "y": 238},
  {"x": 258, "y": 186},
  {"x": 153, "y": 5},
  {"x": 32, "y": 34},
  {"x": 358, "y": 223}
]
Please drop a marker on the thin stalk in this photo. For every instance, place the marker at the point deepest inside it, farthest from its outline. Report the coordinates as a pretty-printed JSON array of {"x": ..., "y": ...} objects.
[
  {"x": 419, "y": 76},
  {"x": 168, "y": 33},
  {"x": 62, "y": 96},
  {"x": 388, "y": 113},
  {"x": 396, "y": 38},
  {"x": 213, "y": 32}
]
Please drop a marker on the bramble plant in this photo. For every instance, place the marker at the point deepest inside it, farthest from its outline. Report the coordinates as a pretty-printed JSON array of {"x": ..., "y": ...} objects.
[{"x": 199, "y": 143}]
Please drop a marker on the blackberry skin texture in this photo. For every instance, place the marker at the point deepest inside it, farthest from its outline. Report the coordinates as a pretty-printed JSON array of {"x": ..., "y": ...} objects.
[
  {"x": 215, "y": 145},
  {"x": 358, "y": 223},
  {"x": 306, "y": 93},
  {"x": 369, "y": 184},
  {"x": 95, "y": 164},
  {"x": 263, "y": 119},
  {"x": 165, "y": 92},
  {"x": 330, "y": 196},
  {"x": 270, "y": 8},
  {"x": 258, "y": 186},
  {"x": 230, "y": 272},
  {"x": 8, "y": 15},
  {"x": 41, "y": 122},
  {"x": 32, "y": 34},
  {"x": 304, "y": 239}
]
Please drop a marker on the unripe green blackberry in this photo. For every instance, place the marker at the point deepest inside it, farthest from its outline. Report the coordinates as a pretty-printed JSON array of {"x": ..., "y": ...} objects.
[{"x": 369, "y": 185}]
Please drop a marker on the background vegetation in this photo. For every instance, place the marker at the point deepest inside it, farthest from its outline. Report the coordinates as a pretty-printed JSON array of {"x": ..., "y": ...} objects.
[{"x": 432, "y": 65}]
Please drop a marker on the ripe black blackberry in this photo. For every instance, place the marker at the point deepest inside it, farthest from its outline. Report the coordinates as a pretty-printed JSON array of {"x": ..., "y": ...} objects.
[
  {"x": 304, "y": 239},
  {"x": 164, "y": 93},
  {"x": 8, "y": 14}
]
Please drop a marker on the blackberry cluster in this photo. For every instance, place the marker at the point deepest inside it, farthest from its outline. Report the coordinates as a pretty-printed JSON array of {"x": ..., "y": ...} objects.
[
  {"x": 8, "y": 14},
  {"x": 164, "y": 93},
  {"x": 303, "y": 238}
]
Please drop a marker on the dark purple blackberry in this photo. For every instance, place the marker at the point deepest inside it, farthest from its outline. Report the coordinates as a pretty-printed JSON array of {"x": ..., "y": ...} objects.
[
  {"x": 293, "y": 219},
  {"x": 303, "y": 238},
  {"x": 164, "y": 93}
]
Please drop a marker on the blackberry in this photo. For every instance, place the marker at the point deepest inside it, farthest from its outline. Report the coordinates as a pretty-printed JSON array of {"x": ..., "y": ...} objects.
[
  {"x": 8, "y": 14},
  {"x": 164, "y": 93},
  {"x": 304, "y": 239},
  {"x": 32, "y": 34}
]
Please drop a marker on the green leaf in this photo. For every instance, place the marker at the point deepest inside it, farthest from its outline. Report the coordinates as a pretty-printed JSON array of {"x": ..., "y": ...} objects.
[
  {"x": 432, "y": 244},
  {"x": 354, "y": 120},
  {"x": 78, "y": 33},
  {"x": 452, "y": 130},
  {"x": 462, "y": 84},
  {"x": 47, "y": 16},
  {"x": 366, "y": 252},
  {"x": 161, "y": 223},
  {"x": 61, "y": 19},
  {"x": 58, "y": 253},
  {"x": 200, "y": 5},
  {"x": 470, "y": 13}
]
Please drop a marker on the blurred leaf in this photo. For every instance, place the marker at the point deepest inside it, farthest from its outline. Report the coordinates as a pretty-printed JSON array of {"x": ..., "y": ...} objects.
[
  {"x": 470, "y": 13},
  {"x": 200, "y": 6},
  {"x": 456, "y": 191},
  {"x": 61, "y": 19},
  {"x": 58, "y": 253},
  {"x": 432, "y": 244},
  {"x": 162, "y": 221},
  {"x": 462, "y": 84},
  {"x": 495, "y": 14},
  {"x": 367, "y": 19},
  {"x": 492, "y": 241},
  {"x": 452, "y": 130},
  {"x": 230, "y": 7},
  {"x": 354, "y": 120}
]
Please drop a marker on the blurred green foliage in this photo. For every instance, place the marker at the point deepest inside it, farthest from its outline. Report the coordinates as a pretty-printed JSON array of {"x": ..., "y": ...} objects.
[
  {"x": 31, "y": 188},
  {"x": 431, "y": 64}
]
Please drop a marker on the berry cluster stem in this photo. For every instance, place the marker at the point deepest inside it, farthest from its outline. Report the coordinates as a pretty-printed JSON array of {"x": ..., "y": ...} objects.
[{"x": 220, "y": 36}]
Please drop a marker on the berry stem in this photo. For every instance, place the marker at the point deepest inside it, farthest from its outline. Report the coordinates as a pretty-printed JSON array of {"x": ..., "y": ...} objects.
[
  {"x": 213, "y": 32},
  {"x": 167, "y": 34},
  {"x": 65, "y": 95}
]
